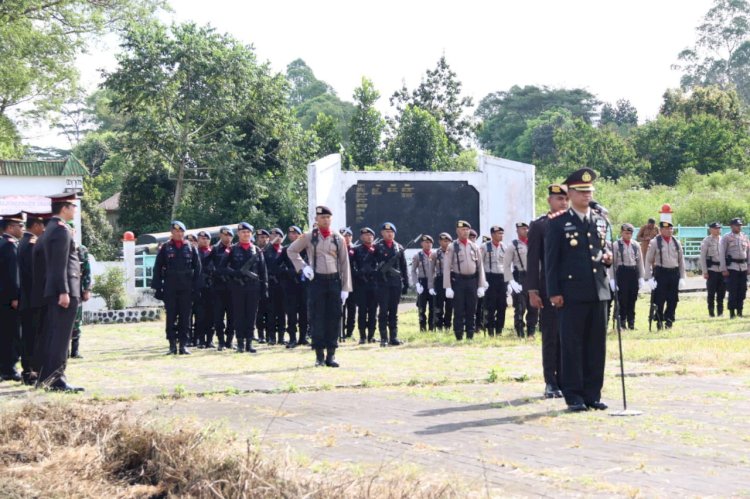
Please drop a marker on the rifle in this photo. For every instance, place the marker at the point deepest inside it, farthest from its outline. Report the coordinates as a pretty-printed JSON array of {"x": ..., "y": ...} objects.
[
  {"x": 387, "y": 269},
  {"x": 245, "y": 274},
  {"x": 651, "y": 312}
]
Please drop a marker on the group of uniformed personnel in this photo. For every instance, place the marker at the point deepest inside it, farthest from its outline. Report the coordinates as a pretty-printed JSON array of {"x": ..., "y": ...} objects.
[{"x": 44, "y": 279}]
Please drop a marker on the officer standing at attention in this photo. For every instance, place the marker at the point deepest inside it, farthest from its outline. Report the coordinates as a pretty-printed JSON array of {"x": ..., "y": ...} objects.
[
  {"x": 222, "y": 298},
  {"x": 330, "y": 282},
  {"x": 10, "y": 294},
  {"x": 495, "y": 299},
  {"x": 176, "y": 273},
  {"x": 29, "y": 314},
  {"x": 735, "y": 249},
  {"x": 443, "y": 305},
  {"x": 479, "y": 313},
  {"x": 264, "y": 306},
  {"x": 710, "y": 259},
  {"x": 204, "y": 305},
  {"x": 422, "y": 274},
  {"x": 665, "y": 270},
  {"x": 626, "y": 275},
  {"x": 463, "y": 280},
  {"x": 348, "y": 320},
  {"x": 62, "y": 292},
  {"x": 576, "y": 261},
  {"x": 245, "y": 266},
  {"x": 273, "y": 254},
  {"x": 295, "y": 294},
  {"x": 363, "y": 265},
  {"x": 393, "y": 281},
  {"x": 516, "y": 266}
]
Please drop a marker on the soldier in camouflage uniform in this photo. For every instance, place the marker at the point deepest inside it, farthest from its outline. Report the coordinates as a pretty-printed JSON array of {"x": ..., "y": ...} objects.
[{"x": 83, "y": 257}]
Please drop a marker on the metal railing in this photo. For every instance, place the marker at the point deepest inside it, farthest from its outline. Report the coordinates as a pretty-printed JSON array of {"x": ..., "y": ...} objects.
[{"x": 691, "y": 237}]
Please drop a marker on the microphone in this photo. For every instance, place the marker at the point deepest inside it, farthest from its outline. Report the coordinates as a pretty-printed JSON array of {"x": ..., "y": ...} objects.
[{"x": 597, "y": 207}]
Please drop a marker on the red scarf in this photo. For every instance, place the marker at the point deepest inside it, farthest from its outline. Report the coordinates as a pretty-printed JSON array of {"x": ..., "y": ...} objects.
[
  {"x": 666, "y": 239},
  {"x": 524, "y": 240},
  {"x": 496, "y": 245},
  {"x": 277, "y": 247},
  {"x": 389, "y": 244},
  {"x": 246, "y": 246},
  {"x": 427, "y": 252},
  {"x": 207, "y": 249},
  {"x": 177, "y": 244},
  {"x": 626, "y": 242},
  {"x": 369, "y": 247},
  {"x": 325, "y": 232},
  {"x": 464, "y": 241}
]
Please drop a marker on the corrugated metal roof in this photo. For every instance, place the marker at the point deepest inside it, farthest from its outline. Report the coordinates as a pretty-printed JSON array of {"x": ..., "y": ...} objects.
[{"x": 69, "y": 166}]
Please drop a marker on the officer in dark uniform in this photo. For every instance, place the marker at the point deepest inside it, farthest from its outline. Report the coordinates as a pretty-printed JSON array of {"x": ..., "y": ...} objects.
[
  {"x": 295, "y": 294},
  {"x": 264, "y": 305},
  {"x": 363, "y": 265},
  {"x": 576, "y": 260},
  {"x": 204, "y": 305},
  {"x": 62, "y": 292},
  {"x": 177, "y": 271},
  {"x": 29, "y": 315},
  {"x": 10, "y": 294},
  {"x": 245, "y": 265},
  {"x": 222, "y": 298},
  {"x": 276, "y": 318},
  {"x": 393, "y": 281},
  {"x": 443, "y": 305},
  {"x": 348, "y": 320},
  {"x": 536, "y": 285}
]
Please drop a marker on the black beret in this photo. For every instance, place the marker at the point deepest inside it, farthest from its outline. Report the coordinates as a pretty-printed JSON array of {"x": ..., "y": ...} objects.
[
  {"x": 463, "y": 224},
  {"x": 714, "y": 225},
  {"x": 323, "y": 210},
  {"x": 664, "y": 224},
  {"x": 446, "y": 236},
  {"x": 554, "y": 189},
  {"x": 521, "y": 224},
  {"x": 496, "y": 228},
  {"x": 736, "y": 221},
  {"x": 426, "y": 237}
]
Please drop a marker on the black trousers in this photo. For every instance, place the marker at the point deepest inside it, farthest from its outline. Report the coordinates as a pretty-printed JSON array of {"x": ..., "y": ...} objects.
[
  {"x": 54, "y": 351},
  {"x": 222, "y": 307},
  {"x": 349, "y": 319},
  {"x": 737, "y": 288},
  {"x": 443, "y": 306},
  {"x": 666, "y": 294},
  {"x": 583, "y": 335},
  {"x": 325, "y": 310},
  {"x": 479, "y": 315},
  {"x": 627, "y": 293},
  {"x": 716, "y": 288},
  {"x": 295, "y": 303},
  {"x": 366, "y": 294},
  {"x": 426, "y": 307},
  {"x": 388, "y": 299},
  {"x": 245, "y": 307},
  {"x": 521, "y": 307},
  {"x": 204, "y": 320},
  {"x": 495, "y": 304},
  {"x": 464, "y": 305},
  {"x": 10, "y": 338},
  {"x": 276, "y": 322},
  {"x": 179, "y": 305},
  {"x": 262, "y": 317},
  {"x": 549, "y": 323},
  {"x": 30, "y": 324}
]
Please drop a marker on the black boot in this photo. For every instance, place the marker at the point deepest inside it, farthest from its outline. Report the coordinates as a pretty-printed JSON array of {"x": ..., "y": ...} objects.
[
  {"x": 331, "y": 357},
  {"x": 249, "y": 347},
  {"x": 240, "y": 345},
  {"x": 319, "y": 357},
  {"x": 530, "y": 332},
  {"x": 362, "y": 337},
  {"x": 183, "y": 349},
  {"x": 731, "y": 313},
  {"x": 74, "y": 354},
  {"x": 172, "y": 347}
]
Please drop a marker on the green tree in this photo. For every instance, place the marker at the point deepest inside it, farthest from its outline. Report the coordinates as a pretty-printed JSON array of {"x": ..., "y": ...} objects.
[
  {"x": 621, "y": 114},
  {"x": 10, "y": 140},
  {"x": 723, "y": 104},
  {"x": 329, "y": 140},
  {"x": 96, "y": 232},
  {"x": 721, "y": 54},
  {"x": 420, "y": 143},
  {"x": 504, "y": 114},
  {"x": 366, "y": 127},
  {"x": 304, "y": 85},
  {"x": 439, "y": 93},
  {"x": 146, "y": 199}
]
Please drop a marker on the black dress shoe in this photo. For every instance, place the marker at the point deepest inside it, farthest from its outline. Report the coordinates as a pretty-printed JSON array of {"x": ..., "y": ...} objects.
[
  {"x": 64, "y": 387},
  {"x": 549, "y": 391},
  {"x": 210, "y": 345},
  {"x": 291, "y": 344},
  {"x": 362, "y": 341},
  {"x": 250, "y": 349},
  {"x": 13, "y": 376},
  {"x": 395, "y": 342},
  {"x": 383, "y": 343},
  {"x": 599, "y": 406},
  {"x": 183, "y": 350},
  {"x": 579, "y": 407},
  {"x": 172, "y": 348}
]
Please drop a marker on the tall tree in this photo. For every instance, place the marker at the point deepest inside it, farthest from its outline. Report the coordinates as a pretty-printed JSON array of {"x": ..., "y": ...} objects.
[
  {"x": 304, "y": 85},
  {"x": 366, "y": 128},
  {"x": 721, "y": 54},
  {"x": 723, "y": 104},
  {"x": 183, "y": 91},
  {"x": 420, "y": 143},
  {"x": 329, "y": 140},
  {"x": 621, "y": 114},
  {"x": 439, "y": 93}
]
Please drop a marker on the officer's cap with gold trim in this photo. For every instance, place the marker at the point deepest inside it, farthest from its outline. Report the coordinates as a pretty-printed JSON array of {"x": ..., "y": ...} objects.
[
  {"x": 556, "y": 189},
  {"x": 294, "y": 228},
  {"x": 245, "y": 226},
  {"x": 664, "y": 224},
  {"x": 496, "y": 228},
  {"x": 36, "y": 218},
  {"x": 627, "y": 227},
  {"x": 323, "y": 210},
  {"x": 176, "y": 224},
  {"x": 345, "y": 231},
  {"x": 226, "y": 230},
  {"x": 366, "y": 230},
  {"x": 16, "y": 217},
  {"x": 427, "y": 238},
  {"x": 445, "y": 236},
  {"x": 714, "y": 225},
  {"x": 388, "y": 226},
  {"x": 463, "y": 224},
  {"x": 736, "y": 221},
  {"x": 521, "y": 224},
  {"x": 581, "y": 180}
]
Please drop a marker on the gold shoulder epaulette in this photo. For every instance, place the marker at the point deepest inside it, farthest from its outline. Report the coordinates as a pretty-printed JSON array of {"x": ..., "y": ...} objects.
[{"x": 556, "y": 214}]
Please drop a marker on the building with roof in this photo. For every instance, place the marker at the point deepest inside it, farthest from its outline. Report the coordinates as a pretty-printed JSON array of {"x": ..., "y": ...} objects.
[{"x": 24, "y": 185}]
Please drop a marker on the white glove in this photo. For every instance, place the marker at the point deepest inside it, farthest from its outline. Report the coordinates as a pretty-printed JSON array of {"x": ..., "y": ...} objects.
[
  {"x": 449, "y": 293},
  {"x": 480, "y": 292},
  {"x": 612, "y": 284},
  {"x": 432, "y": 292},
  {"x": 652, "y": 283},
  {"x": 515, "y": 287},
  {"x": 344, "y": 296},
  {"x": 682, "y": 284},
  {"x": 420, "y": 289},
  {"x": 308, "y": 272},
  {"x": 641, "y": 283}
]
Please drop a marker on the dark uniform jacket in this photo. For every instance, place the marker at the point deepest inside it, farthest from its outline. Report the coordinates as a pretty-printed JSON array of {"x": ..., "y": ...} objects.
[
  {"x": 536, "y": 279},
  {"x": 288, "y": 272},
  {"x": 10, "y": 283},
  {"x": 236, "y": 259},
  {"x": 573, "y": 251},
  {"x": 363, "y": 263},
  {"x": 208, "y": 270},
  {"x": 397, "y": 275},
  {"x": 62, "y": 268},
  {"x": 177, "y": 269},
  {"x": 38, "y": 271},
  {"x": 25, "y": 268},
  {"x": 218, "y": 253},
  {"x": 274, "y": 258}
]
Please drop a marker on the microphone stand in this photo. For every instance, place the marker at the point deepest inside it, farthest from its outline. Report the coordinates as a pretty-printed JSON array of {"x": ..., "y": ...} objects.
[{"x": 625, "y": 411}]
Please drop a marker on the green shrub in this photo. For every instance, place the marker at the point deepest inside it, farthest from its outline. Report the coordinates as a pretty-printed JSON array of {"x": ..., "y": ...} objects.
[{"x": 111, "y": 287}]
